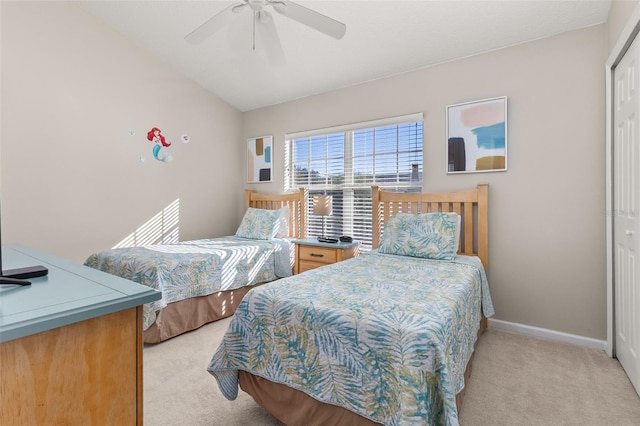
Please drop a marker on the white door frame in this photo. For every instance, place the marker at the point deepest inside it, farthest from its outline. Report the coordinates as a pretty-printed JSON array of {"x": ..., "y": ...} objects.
[{"x": 624, "y": 41}]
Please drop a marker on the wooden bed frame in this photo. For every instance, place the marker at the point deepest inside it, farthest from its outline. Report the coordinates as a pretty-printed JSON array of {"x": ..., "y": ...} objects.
[
  {"x": 471, "y": 205},
  {"x": 189, "y": 314},
  {"x": 294, "y": 407}
]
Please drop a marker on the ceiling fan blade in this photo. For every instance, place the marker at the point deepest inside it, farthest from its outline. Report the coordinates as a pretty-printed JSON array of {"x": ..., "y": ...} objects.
[
  {"x": 214, "y": 24},
  {"x": 268, "y": 34},
  {"x": 311, "y": 18}
]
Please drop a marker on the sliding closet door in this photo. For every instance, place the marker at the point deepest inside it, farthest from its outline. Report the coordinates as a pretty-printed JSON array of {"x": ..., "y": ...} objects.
[{"x": 626, "y": 191}]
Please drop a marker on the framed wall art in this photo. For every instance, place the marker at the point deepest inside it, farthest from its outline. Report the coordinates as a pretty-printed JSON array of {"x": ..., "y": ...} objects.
[
  {"x": 477, "y": 136},
  {"x": 260, "y": 159}
]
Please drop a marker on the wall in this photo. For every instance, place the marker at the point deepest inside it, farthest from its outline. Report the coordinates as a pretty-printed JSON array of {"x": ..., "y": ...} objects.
[
  {"x": 73, "y": 91},
  {"x": 547, "y": 235}
]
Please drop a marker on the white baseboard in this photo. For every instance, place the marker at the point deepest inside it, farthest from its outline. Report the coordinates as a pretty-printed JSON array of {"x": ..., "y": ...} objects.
[{"x": 547, "y": 334}]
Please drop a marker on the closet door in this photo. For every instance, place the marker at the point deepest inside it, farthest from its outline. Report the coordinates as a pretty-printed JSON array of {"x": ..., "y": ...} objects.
[{"x": 626, "y": 183}]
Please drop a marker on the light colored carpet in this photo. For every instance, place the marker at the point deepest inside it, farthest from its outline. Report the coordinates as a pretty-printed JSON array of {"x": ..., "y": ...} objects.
[
  {"x": 516, "y": 380},
  {"x": 522, "y": 380}
]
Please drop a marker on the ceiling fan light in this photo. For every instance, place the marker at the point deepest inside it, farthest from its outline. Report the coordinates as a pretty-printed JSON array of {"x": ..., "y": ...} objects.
[
  {"x": 256, "y": 5},
  {"x": 264, "y": 16}
]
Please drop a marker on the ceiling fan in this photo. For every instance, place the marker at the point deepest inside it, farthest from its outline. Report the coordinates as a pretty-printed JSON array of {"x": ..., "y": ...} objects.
[{"x": 264, "y": 27}]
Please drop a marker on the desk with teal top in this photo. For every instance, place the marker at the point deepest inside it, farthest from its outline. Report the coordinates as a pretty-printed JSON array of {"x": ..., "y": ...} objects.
[{"x": 70, "y": 344}]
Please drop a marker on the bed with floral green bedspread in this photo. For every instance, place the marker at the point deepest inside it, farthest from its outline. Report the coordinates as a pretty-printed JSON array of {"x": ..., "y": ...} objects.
[
  {"x": 197, "y": 268},
  {"x": 385, "y": 336}
]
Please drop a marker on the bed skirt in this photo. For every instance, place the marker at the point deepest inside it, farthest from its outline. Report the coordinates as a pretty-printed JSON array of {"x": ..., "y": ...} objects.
[
  {"x": 294, "y": 407},
  {"x": 189, "y": 314}
]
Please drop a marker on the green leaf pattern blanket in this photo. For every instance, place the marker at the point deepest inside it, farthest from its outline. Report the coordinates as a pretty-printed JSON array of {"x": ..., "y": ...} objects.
[
  {"x": 197, "y": 268},
  {"x": 385, "y": 336}
]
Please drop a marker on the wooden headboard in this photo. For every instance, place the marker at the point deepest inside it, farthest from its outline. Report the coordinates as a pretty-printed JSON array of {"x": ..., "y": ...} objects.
[
  {"x": 297, "y": 202},
  {"x": 472, "y": 205}
]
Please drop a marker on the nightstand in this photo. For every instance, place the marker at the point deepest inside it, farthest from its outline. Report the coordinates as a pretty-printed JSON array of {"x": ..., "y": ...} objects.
[{"x": 310, "y": 253}]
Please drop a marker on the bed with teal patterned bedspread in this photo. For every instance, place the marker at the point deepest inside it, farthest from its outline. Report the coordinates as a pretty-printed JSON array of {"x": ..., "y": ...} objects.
[
  {"x": 385, "y": 336},
  {"x": 197, "y": 268}
]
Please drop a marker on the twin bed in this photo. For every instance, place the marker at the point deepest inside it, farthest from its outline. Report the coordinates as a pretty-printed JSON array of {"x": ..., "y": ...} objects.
[
  {"x": 383, "y": 338},
  {"x": 204, "y": 280}
]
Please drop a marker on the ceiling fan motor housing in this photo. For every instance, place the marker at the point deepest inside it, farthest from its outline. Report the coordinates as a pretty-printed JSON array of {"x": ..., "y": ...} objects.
[{"x": 256, "y": 5}]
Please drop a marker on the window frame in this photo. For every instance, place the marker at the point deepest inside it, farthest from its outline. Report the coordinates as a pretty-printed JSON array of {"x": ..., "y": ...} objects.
[{"x": 348, "y": 221}]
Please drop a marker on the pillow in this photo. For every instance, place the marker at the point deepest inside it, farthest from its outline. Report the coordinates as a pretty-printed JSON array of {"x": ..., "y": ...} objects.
[
  {"x": 427, "y": 235},
  {"x": 262, "y": 224}
]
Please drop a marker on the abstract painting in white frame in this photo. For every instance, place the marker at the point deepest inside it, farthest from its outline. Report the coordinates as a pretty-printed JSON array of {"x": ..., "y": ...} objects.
[
  {"x": 260, "y": 159},
  {"x": 477, "y": 136}
]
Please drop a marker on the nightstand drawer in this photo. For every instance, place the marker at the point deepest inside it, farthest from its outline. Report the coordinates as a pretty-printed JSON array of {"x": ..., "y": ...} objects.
[
  {"x": 305, "y": 265},
  {"x": 318, "y": 254},
  {"x": 312, "y": 254}
]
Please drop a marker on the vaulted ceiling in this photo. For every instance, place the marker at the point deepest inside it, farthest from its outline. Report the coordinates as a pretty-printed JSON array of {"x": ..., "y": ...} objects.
[{"x": 382, "y": 38}]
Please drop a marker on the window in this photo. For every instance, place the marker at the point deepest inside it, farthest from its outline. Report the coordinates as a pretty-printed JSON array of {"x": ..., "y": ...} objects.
[{"x": 346, "y": 161}]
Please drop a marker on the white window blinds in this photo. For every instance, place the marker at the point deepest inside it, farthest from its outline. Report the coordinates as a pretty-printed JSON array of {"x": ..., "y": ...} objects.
[{"x": 345, "y": 161}]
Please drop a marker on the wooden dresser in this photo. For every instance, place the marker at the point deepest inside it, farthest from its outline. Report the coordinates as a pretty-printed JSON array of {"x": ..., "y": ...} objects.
[
  {"x": 310, "y": 253},
  {"x": 70, "y": 345}
]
